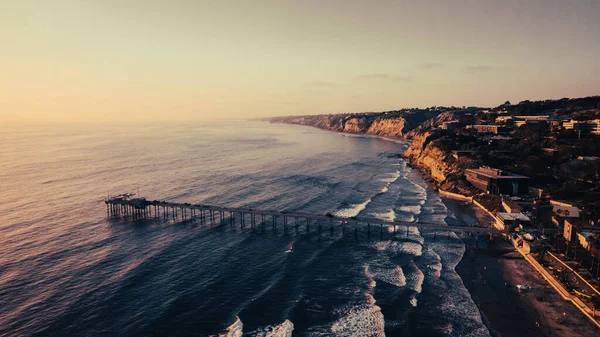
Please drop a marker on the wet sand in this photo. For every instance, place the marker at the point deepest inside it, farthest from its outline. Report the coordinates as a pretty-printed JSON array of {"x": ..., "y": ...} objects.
[{"x": 491, "y": 276}]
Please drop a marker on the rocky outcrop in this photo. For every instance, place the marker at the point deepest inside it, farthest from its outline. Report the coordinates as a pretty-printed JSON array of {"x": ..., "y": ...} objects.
[
  {"x": 355, "y": 125},
  {"x": 436, "y": 162}
]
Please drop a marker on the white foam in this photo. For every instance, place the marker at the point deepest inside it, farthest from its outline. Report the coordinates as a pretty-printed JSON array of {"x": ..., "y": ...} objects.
[
  {"x": 351, "y": 211},
  {"x": 388, "y": 216},
  {"x": 399, "y": 247},
  {"x": 369, "y": 276},
  {"x": 414, "y": 280},
  {"x": 434, "y": 265},
  {"x": 363, "y": 320},
  {"x": 284, "y": 329},
  {"x": 413, "y": 302},
  {"x": 413, "y": 209},
  {"x": 235, "y": 329},
  {"x": 393, "y": 177},
  {"x": 393, "y": 276},
  {"x": 405, "y": 217}
]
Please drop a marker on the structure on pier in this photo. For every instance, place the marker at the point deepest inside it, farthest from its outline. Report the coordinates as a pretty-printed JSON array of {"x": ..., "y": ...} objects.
[{"x": 141, "y": 208}]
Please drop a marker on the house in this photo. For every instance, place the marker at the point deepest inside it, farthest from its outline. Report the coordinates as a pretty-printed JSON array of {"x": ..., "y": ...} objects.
[
  {"x": 564, "y": 209},
  {"x": 574, "y": 228},
  {"x": 569, "y": 231},
  {"x": 495, "y": 181},
  {"x": 589, "y": 239},
  {"x": 488, "y": 128},
  {"x": 450, "y": 125},
  {"x": 518, "y": 121},
  {"x": 512, "y": 219},
  {"x": 583, "y": 127},
  {"x": 536, "y": 191},
  {"x": 510, "y": 206}
]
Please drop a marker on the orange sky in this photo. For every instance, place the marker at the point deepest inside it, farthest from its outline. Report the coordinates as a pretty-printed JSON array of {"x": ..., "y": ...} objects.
[{"x": 126, "y": 60}]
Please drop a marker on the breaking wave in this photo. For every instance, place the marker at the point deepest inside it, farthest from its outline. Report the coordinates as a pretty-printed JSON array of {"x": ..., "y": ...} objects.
[
  {"x": 234, "y": 330},
  {"x": 284, "y": 329},
  {"x": 388, "y": 216},
  {"x": 352, "y": 210},
  {"x": 365, "y": 319}
]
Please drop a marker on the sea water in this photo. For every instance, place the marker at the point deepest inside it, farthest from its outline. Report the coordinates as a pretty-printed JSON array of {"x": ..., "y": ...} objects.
[{"x": 68, "y": 270}]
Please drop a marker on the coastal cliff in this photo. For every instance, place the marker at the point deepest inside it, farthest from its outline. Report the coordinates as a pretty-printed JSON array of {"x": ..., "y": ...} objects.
[
  {"x": 431, "y": 155},
  {"x": 392, "y": 124}
]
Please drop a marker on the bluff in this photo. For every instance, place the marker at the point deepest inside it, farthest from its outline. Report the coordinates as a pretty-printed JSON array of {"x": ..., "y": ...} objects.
[
  {"x": 431, "y": 152},
  {"x": 393, "y": 124}
]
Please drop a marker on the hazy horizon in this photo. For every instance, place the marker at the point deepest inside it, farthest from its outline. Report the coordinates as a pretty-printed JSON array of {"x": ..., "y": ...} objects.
[{"x": 122, "y": 61}]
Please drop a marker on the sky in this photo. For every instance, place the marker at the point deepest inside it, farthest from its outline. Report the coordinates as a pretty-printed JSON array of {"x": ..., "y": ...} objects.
[{"x": 153, "y": 60}]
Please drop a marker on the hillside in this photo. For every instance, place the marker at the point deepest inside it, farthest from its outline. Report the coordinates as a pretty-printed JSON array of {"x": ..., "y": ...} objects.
[{"x": 393, "y": 124}]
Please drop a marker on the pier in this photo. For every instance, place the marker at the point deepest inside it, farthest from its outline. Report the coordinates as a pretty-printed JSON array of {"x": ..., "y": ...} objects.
[{"x": 141, "y": 208}]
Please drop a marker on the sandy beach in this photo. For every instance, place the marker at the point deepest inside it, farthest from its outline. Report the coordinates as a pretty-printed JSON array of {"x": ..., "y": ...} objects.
[{"x": 491, "y": 275}]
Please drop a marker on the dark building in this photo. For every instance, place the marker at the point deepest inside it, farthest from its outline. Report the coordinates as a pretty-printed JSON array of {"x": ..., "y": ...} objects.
[
  {"x": 489, "y": 128},
  {"x": 495, "y": 181}
]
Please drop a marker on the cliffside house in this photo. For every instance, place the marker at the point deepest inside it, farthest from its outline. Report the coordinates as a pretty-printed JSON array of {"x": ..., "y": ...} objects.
[
  {"x": 591, "y": 126},
  {"x": 489, "y": 128},
  {"x": 495, "y": 181},
  {"x": 450, "y": 125}
]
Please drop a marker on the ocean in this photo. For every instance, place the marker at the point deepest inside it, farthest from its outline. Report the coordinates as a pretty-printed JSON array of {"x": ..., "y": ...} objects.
[{"x": 68, "y": 270}]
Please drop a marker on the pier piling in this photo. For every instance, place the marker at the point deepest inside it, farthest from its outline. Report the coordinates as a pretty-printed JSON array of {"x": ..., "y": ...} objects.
[{"x": 140, "y": 208}]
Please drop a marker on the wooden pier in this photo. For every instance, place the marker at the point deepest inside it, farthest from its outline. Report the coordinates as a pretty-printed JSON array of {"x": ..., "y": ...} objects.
[{"x": 140, "y": 208}]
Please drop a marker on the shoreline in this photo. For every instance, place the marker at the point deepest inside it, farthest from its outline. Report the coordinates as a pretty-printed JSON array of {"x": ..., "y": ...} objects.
[{"x": 491, "y": 276}]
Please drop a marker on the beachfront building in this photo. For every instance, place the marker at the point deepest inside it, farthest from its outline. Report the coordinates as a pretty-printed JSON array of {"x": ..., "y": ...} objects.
[
  {"x": 495, "y": 181},
  {"x": 580, "y": 230},
  {"x": 510, "y": 206},
  {"x": 589, "y": 239},
  {"x": 564, "y": 209},
  {"x": 511, "y": 220}
]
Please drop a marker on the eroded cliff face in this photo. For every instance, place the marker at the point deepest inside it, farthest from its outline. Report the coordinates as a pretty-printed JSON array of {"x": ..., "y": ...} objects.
[
  {"x": 355, "y": 125},
  {"x": 393, "y": 124},
  {"x": 438, "y": 164},
  {"x": 389, "y": 127}
]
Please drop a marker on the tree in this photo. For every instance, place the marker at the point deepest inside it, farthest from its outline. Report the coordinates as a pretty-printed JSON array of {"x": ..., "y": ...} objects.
[{"x": 507, "y": 103}]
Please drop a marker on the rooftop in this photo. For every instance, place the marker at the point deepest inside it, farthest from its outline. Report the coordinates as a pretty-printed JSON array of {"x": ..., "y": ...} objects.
[
  {"x": 513, "y": 216},
  {"x": 496, "y": 173}
]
